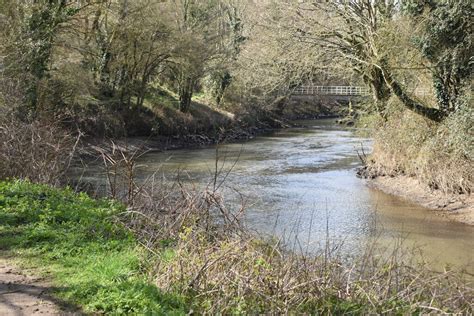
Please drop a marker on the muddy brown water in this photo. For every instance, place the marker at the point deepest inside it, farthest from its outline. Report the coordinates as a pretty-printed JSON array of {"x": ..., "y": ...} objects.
[{"x": 300, "y": 185}]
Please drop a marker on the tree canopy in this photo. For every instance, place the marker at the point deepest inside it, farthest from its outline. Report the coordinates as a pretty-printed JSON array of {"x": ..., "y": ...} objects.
[{"x": 120, "y": 50}]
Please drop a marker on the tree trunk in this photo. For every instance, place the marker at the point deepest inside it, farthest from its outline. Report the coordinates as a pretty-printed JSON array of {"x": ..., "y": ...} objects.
[
  {"x": 185, "y": 94},
  {"x": 447, "y": 89},
  {"x": 224, "y": 82},
  {"x": 430, "y": 113},
  {"x": 38, "y": 31},
  {"x": 380, "y": 91},
  {"x": 141, "y": 93}
]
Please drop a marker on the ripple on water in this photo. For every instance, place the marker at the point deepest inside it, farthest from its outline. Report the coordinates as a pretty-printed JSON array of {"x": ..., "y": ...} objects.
[{"x": 301, "y": 182}]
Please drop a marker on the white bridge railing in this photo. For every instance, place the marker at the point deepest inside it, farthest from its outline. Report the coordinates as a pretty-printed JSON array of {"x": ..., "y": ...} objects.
[
  {"x": 331, "y": 90},
  {"x": 349, "y": 91}
]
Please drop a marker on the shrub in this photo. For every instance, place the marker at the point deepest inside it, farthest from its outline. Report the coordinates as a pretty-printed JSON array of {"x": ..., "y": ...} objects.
[
  {"x": 439, "y": 155},
  {"x": 41, "y": 151}
]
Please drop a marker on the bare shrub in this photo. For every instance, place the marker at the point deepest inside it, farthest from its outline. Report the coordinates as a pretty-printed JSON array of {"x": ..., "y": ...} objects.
[
  {"x": 41, "y": 151},
  {"x": 246, "y": 275},
  {"x": 199, "y": 249},
  {"x": 158, "y": 210}
]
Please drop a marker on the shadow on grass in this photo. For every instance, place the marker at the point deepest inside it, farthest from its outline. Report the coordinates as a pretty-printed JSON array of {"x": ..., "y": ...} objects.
[{"x": 163, "y": 108}]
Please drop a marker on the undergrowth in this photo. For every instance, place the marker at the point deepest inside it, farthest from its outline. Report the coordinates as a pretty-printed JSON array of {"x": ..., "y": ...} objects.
[
  {"x": 177, "y": 250},
  {"x": 440, "y": 155},
  {"x": 96, "y": 263}
]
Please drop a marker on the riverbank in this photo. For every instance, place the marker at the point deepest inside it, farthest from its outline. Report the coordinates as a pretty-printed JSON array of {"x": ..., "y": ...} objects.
[
  {"x": 161, "y": 127},
  {"x": 240, "y": 131},
  {"x": 288, "y": 178},
  {"x": 89, "y": 258},
  {"x": 107, "y": 260},
  {"x": 456, "y": 207},
  {"x": 187, "y": 141}
]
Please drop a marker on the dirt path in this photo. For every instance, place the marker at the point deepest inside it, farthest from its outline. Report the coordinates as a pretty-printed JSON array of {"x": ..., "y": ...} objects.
[{"x": 23, "y": 294}]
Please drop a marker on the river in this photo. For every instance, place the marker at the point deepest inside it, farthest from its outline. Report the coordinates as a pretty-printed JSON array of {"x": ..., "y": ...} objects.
[{"x": 300, "y": 185}]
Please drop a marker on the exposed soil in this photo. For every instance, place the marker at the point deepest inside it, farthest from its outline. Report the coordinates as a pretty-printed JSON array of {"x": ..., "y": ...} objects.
[
  {"x": 457, "y": 207},
  {"x": 239, "y": 130},
  {"x": 21, "y": 293}
]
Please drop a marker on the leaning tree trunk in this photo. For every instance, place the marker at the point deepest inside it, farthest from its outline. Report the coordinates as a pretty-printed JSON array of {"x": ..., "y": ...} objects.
[{"x": 430, "y": 113}]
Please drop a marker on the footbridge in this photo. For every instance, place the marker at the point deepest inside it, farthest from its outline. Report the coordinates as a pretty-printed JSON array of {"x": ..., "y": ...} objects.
[
  {"x": 344, "y": 92},
  {"x": 336, "y": 93},
  {"x": 331, "y": 91}
]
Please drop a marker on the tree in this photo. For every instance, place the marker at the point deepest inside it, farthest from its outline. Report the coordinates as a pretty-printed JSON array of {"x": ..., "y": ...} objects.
[
  {"x": 347, "y": 30},
  {"x": 198, "y": 32},
  {"x": 31, "y": 47},
  {"x": 231, "y": 40},
  {"x": 130, "y": 46},
  {"x": 271, "y": 62},
  {"x": 353, "y": 30},
  {"x": 447, "y": 43}
]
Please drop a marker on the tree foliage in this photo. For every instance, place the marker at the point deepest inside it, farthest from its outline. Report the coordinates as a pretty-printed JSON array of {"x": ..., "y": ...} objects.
[
  {"x": 446, "y": 42},
  {"x": 58, "y": 54},
  {"x": 357, "y": 31}
]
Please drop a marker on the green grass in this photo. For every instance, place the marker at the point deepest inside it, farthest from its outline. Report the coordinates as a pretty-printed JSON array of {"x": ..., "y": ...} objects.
[
  {"x": 98, "y": 265},
  {"x": 95, "y": 262},
  {"x": 161, "y": 97}
]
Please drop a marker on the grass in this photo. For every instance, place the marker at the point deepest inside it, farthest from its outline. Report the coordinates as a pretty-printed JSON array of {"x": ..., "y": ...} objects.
[
  {"x": 202, "y": 118},
  {"x": 191, "y": 264},
  {"x": 96, "y": 262}
]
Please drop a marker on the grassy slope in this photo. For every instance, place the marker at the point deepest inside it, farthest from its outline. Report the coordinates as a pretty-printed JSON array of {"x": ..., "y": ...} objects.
[
  {"x": 161, "y": 112},
  {"x": 160, "y": 115},
  {"x": 95, "y": 262}
]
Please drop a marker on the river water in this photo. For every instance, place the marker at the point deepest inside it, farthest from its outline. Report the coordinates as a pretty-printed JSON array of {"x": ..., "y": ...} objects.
[{"x": 300, "y": 186}]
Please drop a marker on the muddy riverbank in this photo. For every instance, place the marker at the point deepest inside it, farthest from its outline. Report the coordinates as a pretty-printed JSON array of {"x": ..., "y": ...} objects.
[
  {"x": 239, "y": 132},
  {"x": 456, "y": 207}
]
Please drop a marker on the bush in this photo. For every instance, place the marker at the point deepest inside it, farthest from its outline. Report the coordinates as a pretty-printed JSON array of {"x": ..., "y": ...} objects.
[
  {"x": 41, "y": 151},
  {"x": 439, "y": 155}
]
